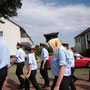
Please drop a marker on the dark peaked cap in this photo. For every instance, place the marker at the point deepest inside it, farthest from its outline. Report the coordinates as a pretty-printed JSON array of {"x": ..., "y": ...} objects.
[
  {"x": 65, "y": 44},
  {"x": 41, "y": 44},
  {"x": 28, "y": 48},
  {"x": 51, "y": 36},
  {"x": 19, "y": 44}
]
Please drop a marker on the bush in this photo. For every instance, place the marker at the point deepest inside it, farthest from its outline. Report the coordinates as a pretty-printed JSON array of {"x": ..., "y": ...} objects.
[
  {"x": 38, "y": 51},
  {"x": 50, "y": 54},
  {"x": 85, "y": 52}
]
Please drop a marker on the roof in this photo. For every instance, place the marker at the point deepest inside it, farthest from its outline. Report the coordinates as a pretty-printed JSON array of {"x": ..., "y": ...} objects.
[
  {"x": 21, "y": 29},
  {"x": 83, "y": 33}
]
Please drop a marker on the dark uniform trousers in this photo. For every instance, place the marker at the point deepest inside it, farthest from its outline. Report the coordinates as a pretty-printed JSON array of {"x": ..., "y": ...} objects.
[
  {"x": 32, "y": 79},
  {"x": 44, "y": 73},
  {"x": 19, "y": 71},
  {"x": 64, "y": 84},
  {"x": 73, "y": 79},
  {"x": 3, "y": 74}
]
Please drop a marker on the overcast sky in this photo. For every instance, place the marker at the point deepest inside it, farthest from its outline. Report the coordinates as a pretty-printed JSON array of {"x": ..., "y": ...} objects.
[{"x": 68, "y": 17}]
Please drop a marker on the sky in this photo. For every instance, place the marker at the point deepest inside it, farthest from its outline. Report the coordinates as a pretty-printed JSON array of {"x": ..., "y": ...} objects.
[{"x": 68, "y": 17}]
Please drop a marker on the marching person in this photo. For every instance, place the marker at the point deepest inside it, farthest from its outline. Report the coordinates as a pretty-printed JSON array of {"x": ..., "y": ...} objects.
[
  {"x": 20, "y": 59},
  {"x": 4, "y": 61},
  {"x": 44, "y": 64},
  {"x": 60, "y": 63},
  {"x": 31, "y": 67},
  {"x": 72, "y": 64}
]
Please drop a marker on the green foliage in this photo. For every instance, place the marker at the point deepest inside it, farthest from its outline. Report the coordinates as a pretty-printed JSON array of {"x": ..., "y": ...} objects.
[
  {"x": 49, "y": 50},
  {"x": 50, "y": 54},
  {"x": 38, "y": 51},
  {"x": 85, "y": 52},
  {"x": 8, "y": 8}
]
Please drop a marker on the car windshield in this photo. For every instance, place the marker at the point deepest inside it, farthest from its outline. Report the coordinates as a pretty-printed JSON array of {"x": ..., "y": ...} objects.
[{"x": 78, "y": 56}]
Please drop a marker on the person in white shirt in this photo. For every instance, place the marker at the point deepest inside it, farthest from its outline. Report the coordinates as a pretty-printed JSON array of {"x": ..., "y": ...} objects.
[
  {"x": 32, "y": 69},
  {"x": 4, "y": 61},
  {"x": 20, "y": 59},
  {"x": 44, "y": 65},
  {"x": 72, "y": 63}
]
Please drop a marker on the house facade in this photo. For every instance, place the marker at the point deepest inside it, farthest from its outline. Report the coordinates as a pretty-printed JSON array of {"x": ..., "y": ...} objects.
[
  {"x": 82, "y": 41},
  {"x": 13, "y": 33}
]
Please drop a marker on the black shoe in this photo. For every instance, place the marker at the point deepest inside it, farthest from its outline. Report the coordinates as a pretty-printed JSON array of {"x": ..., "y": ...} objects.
[
  {"x": 21, "y": 87},
  {"x": 45, "y": 86},
  {"x": 74, "y": 79}
]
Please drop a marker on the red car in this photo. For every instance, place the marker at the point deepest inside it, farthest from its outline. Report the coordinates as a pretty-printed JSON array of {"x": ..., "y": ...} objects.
[{"x": 80, "y": 61}]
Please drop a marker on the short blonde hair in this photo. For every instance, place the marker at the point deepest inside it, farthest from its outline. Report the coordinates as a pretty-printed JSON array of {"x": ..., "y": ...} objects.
[{"x": 55, "y": 44}]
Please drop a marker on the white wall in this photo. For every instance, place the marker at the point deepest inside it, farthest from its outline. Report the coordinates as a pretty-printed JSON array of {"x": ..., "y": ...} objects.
[{"x": 11, "y": 34}]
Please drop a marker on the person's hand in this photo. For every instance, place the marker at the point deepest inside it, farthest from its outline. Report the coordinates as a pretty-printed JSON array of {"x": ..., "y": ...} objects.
[
  {"x": 9, "y": 67},
  {"x": 70, "y": 62},
  {"x": 27, "y": 76},
  {"x": 56, "y": 88},
  {"x": 43, "y": 67}
]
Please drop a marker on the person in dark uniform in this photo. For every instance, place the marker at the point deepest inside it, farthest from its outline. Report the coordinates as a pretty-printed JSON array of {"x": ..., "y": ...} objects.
[
  {"x": 4, "y": 61},
  {"x": 44, "y": 64},
  {"x": 31, "y": 67},
  {"x": 20, "y": 59},
  {"x": 60, "y": 63}
]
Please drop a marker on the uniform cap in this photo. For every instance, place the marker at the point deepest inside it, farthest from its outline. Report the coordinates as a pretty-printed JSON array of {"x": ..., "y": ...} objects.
[
  {"x": 65, "y": 44},
  {"x": 42, "y": 44},
  {"x": 19, "y": 44},
  {"x": 51, "y": 36},
  {"x": 28, "y": 48}
]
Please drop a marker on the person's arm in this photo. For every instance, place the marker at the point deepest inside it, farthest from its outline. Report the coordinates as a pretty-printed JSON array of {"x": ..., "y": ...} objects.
[
  {"x": 29, "y": 71},
  {"x": 30, "y": 66},
  {"x": 45, "y": 58},
  {"x": 71, "y": 56},
  {"x": 14, "y": 60},
  {"x": 60, "y": 77},
  {"x": 8, "y": 56},
  {"x": 44, "y": 61}
]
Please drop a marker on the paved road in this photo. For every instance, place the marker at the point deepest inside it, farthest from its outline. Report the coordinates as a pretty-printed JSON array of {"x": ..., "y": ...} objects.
[{"x": 81, "y": 84}]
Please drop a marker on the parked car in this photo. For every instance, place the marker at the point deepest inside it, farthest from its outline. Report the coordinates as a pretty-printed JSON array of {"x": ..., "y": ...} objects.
[{"x": 80, "y": 61}]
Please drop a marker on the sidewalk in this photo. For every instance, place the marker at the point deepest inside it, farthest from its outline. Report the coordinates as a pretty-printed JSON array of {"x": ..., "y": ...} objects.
[{"x": 81, "y": 84}]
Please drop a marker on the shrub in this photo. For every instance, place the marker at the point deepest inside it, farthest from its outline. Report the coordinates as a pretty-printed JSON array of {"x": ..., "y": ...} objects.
[{"x": 85, "y": 52}]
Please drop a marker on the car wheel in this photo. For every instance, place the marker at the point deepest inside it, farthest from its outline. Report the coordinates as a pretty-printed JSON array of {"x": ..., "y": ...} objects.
[{"x": 88, "y": 65}]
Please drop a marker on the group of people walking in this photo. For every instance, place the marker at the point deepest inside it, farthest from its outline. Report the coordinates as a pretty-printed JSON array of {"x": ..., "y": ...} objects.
[{"x": 62, "y": 64}]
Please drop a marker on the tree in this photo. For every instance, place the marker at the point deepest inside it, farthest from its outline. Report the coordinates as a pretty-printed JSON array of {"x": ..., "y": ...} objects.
[
  {"x": 85, "y": 52},
  {"x": 38, "y": 51},
  {"x": 8, "y": 8}
]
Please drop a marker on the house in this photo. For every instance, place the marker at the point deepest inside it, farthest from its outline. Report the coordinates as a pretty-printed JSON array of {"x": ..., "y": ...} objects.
[
  {"x": 13, "y": 33},
  {"x": 82, "y": 41}
]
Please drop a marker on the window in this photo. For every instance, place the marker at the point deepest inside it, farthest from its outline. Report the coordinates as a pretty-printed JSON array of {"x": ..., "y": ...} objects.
[
  {"x": 77, "y": 56},
  {"x": 87, "y": 37},
  {"x": 24, "y": 34},
  {"x": 78, "y": 39},
  {"x": 1, "y": 33}
]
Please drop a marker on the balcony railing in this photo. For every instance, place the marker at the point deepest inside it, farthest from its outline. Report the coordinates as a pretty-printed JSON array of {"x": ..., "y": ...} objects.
[{"x": 26, "y": 40}]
